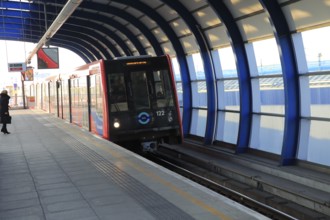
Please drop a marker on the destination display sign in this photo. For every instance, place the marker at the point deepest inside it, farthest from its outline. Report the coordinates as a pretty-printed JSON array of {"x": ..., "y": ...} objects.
[{"x": 16, "y": 67}]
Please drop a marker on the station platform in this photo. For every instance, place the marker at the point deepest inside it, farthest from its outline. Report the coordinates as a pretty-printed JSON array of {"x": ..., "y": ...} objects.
[{"x": 53, "y": 170}]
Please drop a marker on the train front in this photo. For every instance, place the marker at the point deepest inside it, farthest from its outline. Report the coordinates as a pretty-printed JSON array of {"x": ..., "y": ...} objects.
[{"x": 142, "y": 103}]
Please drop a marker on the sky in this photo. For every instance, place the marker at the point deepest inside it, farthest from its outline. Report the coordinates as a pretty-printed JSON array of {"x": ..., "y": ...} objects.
[{"x": 17, "y": 52}]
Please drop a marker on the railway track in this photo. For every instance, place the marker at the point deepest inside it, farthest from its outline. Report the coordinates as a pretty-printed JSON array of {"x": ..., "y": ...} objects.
[{"x": 209, "y": 179}]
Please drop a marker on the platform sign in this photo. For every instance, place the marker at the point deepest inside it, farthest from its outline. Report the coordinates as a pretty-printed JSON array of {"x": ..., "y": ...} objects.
[{"x": 16, "y": 67}]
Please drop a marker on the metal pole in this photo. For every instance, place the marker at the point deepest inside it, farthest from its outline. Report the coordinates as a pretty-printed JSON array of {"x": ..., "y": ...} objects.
[{"x": 65, "y": 13}]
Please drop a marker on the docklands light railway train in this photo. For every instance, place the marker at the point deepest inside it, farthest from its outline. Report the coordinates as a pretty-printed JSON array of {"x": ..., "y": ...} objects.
[{"x": 131, "y": 99}]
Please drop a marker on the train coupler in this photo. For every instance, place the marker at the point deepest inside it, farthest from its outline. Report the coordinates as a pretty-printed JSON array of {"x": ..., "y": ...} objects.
[{"x": 149, "y": 146}]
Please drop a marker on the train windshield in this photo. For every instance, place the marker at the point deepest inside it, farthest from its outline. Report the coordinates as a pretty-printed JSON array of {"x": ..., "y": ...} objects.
[
  {"x": 118, "y": 93},
  {"x": 140, "y": 90},
  {"x": 163, "y": 89}
]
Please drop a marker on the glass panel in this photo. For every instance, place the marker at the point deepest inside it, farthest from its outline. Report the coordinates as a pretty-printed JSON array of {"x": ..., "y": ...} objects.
[
  {"x": 96, "y": 102},
  {"x": 198, "y": 122},
  {"x": 267, "y": 133},
  {"x": 317, "y": 49},
  {"x": 228, "y": 63},
  {"x": 269, "y": 96},
  {"x": 227, "y": 127},
  {"x": 198, "y": 66},
  {"x": 181, "y": 113},
  {"x": 83, "y": 101},
  {"x": 99, "y": 96},
  {"x": 118, "y": 97},
  {"x": 179, "y": 93},
  {"x": 199, "y": 94},
  {"x": 267, "y": 57},
  {"x": 319, "y": 87},
  {"x": 66, "y": 104},
  {"x": 314, "y": 142},
  {"x": 140, "y": 90},
  {"x": 228, "y": 97},
  {"x": 176, "y": 69}
]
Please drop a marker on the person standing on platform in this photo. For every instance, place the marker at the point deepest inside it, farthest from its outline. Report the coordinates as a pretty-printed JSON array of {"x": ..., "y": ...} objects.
[{"x": 4, "y": 109}]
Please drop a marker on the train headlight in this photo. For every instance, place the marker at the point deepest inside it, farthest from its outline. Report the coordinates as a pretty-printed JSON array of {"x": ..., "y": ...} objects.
[{"x": 116, "y": 123}]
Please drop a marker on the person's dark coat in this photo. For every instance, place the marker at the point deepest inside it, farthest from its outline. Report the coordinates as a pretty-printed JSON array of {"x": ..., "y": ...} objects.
[{"x": 4, "y": 104}]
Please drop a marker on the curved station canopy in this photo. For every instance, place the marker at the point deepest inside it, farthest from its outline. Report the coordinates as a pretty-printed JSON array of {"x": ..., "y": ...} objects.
[{"x": 243, "y": 109}]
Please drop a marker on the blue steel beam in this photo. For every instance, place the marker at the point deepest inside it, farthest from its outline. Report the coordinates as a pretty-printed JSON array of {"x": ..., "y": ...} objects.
[
  {"x": 28, "y": 25},
  {"x": 237, "y": 43},
  {"x": 208, "y": 67},
  {"x": 27, "y": 17},
  {"x": 36, "y": 34},
  {"x": 77, "y": 48},
  {"x": 290, "y": 78},
  {"x": 52, "y": 11},
  {"x": 81, "y": 29},
  {"x": 20, "y": 5}
]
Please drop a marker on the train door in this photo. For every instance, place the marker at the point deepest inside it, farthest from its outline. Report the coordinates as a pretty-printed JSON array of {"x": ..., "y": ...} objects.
[
  {"x": 59, "y": 99},
  {"x": 96, "y": 104},
  {"x": 65, "y": 99},
  {"x": 53, "y": 98}
]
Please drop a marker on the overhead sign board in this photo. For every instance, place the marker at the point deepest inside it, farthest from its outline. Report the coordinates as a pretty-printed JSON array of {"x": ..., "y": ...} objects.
[{"x": 16, "y": 67}]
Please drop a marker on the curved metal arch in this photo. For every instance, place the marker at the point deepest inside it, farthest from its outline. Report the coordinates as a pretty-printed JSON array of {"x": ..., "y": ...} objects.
[
  {"x": 82, "y": 52},
  {"x": 23, "y": 36},
  {"x": 81, "y": 38},
  {"x": 113, "y": 23},
  {"x": 86, "y": 37},
  {"x": 79, "y": 44},
  {"x": 238, "y": 46},
  {"x": 101, "y": 18},
  {"x": 102, "y": 54},
  {"x": 99, "y": 28},
  {"x": 183, "y": 64},
  {"x": 208, "y": 67},
  {"x": 91, "y": 34},
  {"x": 72, "y": 48},
  {"x": 72, "y": 32},
  {"x": 75, "y": 27},
  {"x": 125, "y": 16},
  {"x": 95, "y": 19},
  {"x": 291, "y": 81},
  {"x": 114, "y": 50},
  {"x": 83, "y": 44},
  {"x": 77, "y": 21}
]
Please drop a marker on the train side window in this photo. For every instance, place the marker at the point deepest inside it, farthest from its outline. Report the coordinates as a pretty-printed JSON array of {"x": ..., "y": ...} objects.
[{"x": 118, "y": 96}]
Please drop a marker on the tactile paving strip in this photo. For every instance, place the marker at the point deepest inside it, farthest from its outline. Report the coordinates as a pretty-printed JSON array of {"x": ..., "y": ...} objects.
[{"x": 155, "y": 204}]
